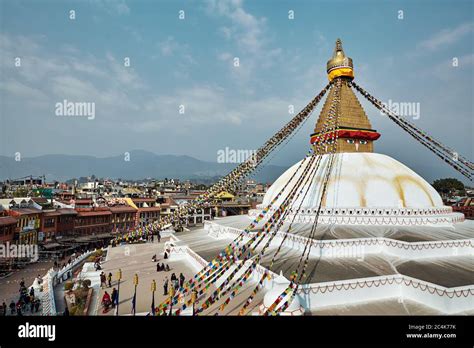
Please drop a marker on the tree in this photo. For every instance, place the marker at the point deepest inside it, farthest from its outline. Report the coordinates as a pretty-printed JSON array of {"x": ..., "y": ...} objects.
[{"x": 448, "y": 186}]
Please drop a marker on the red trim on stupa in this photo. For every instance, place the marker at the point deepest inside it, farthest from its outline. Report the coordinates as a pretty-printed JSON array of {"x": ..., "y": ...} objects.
[{"x": 346, "y": 133}]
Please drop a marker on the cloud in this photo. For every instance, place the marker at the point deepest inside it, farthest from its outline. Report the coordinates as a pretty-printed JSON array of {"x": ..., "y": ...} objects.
[
  {"x": 124, "y": 76},
  {"x": 169, "y": 46},
  {"x": 446, "y": 72},
  {"x": 46, "y": 77},
  {"x": 250, "y": 38},
  {"x": 446, "y": 37},
  {"x": 246, "y": 29},
  {"x": 212, "y": 106},
  {"x": 16, "y": 88}
]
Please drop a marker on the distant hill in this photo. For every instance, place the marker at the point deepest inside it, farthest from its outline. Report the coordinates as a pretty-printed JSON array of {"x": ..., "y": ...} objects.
[{"x": 142, "y": 164}]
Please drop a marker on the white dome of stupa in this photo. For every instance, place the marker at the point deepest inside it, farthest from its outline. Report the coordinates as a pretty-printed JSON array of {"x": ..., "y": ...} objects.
[{"x": 364, "y": 186}]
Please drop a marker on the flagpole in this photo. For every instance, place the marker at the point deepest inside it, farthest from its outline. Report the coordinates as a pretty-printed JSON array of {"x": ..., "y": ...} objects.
[
  {"x": 135, "y": 282},
  {"x": 172, "y": 292},
  {"x": 153, "y": 289},
  {"x": 119, "y": 277}
]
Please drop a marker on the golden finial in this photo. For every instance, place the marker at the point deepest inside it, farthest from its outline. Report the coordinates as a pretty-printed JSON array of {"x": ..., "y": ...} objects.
[
  {"x": 338, "y": 47},
  {"x": 339, "y": 64}
]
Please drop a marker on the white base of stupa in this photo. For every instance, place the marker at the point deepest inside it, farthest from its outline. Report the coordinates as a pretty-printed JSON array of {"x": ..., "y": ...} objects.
[{"x": 442, "y": 217}]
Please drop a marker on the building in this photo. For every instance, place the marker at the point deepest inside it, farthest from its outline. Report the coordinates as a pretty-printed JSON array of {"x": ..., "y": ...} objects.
[
  {"x": 144, "y": 202},
  {"x": 148, "y": 210},
  {"x": 123, "y": 217},
  {"x": 28, "y": 224},
  {"x": 167, "y": 205},
  {"x": 65, "y": 222},
  {"x": 147, "y": 215},
  {"x": 83, "y": 203},
  {"x": 7, "y": 229},
  {"x": 56, "y": 224},
  {"x": 65, "y": 196},
  {"x": 92, "y": 221},
  {"x": 49, "y": 225}
]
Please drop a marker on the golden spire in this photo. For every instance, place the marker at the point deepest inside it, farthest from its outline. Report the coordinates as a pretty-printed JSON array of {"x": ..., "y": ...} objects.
[
  {"x": 339, "y": 64},
  {"x": 354, "y": 131}
]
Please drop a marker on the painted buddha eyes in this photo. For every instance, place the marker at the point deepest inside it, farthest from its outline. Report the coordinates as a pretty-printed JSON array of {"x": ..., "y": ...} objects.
[{"x": 352, "y": 141}]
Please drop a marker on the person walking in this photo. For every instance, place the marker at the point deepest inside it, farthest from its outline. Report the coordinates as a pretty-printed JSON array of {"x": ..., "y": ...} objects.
[
  {"x": 19, "y": 304},
  {"x": 159, "y": 237},
  {"x": 102, "y": 280},
  {"x": 114, "y": 297},
  {"x": 4, "y": 308},
  {"x": 27, "y": 302},
  {"x": 181, "y": 280},
  {"x": 165, "y": 287},
  {"x": 12, "y": 307},
  {"x": 106, "y": 301},
  {"x": 174, "y": 281},
  {"x": 109, "y": 279}
]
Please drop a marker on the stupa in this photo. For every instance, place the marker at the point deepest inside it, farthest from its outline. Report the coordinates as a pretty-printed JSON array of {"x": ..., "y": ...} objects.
[
  {"x": 384, "y": 242},
  {"x": 365, "y": 187}
]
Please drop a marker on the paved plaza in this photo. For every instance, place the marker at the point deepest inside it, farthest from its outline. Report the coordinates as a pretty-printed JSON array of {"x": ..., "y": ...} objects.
[{"x": 137, "y": 259}]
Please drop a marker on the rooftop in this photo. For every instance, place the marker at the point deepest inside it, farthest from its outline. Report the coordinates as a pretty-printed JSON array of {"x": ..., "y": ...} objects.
[{"x": 7, "y": 220}]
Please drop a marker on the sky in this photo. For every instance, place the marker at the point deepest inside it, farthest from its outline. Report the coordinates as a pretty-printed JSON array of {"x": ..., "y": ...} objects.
[{"x": 403, "y": 51}]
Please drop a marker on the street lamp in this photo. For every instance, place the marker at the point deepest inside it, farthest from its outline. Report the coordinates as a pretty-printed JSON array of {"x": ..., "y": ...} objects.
[
  {"x": 119, "y": 278},
  {"x": 153, "y": 289},
  {"x": 135, "y": 282}
]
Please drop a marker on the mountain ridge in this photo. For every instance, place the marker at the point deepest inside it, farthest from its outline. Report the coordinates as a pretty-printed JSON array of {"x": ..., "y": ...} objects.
[{"x": 140, "y": 164}]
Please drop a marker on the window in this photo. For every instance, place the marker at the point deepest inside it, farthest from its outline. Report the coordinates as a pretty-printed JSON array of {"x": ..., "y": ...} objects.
[
  {"x": 363, "y": 142},
  {"x": 350, "y": 141},
  {"x": 49, "y": 222}
]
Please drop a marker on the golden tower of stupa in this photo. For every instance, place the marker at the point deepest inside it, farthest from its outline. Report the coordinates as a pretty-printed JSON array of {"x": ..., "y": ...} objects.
[{"x": 355, "y": 133}]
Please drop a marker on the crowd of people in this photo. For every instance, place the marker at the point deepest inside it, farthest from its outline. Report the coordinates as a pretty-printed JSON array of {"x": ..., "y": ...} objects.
[
  {"x": 137, "y": 236},
  {"x": 173, "y": 284},
  {"x": 161, "y": 267},
  {"x": 27, "y": 301}
]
